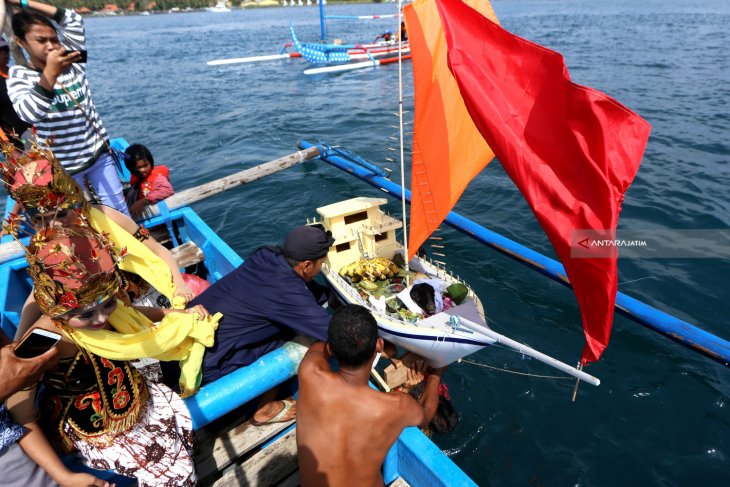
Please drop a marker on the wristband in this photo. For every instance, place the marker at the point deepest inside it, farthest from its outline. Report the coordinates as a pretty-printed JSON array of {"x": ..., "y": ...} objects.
[{"x": 23, "y": 3}]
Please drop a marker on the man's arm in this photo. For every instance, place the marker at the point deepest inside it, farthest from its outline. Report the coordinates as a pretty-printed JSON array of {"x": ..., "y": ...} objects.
[
  {"x": 297, "y": 309},
  {"x": 31, "y": 100},
  {"x": 421, "y": 413},
  {"x": 35, "y": 444},
  {"x": 430, "y": 398}
]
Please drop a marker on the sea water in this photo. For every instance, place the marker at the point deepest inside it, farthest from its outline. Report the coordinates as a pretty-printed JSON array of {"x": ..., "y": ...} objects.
[{"x": 660, "y": 416}]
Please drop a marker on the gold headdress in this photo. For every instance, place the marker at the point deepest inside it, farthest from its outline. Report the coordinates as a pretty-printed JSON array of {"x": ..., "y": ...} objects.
[
  {"x": 37, "y": 180},
  {"x": 72, "y": 268}
]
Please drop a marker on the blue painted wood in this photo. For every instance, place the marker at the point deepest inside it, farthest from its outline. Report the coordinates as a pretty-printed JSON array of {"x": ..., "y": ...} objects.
[
  {"x": 420, "y": 462},
  {"x": 670, "y": 326},
  {"x": 243, "y": 385}
]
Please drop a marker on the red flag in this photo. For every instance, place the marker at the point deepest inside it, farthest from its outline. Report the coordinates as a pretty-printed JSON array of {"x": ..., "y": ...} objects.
[{"x": 571, "y": 150}]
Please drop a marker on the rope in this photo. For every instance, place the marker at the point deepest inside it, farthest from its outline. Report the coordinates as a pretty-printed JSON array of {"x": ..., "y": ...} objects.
[{"x": 515, "y": 372}]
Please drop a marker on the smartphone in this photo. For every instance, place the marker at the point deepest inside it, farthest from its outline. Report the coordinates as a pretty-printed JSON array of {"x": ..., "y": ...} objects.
[
  {"x": 36, "y": 343},
  {"x": 84, "y": 55}
]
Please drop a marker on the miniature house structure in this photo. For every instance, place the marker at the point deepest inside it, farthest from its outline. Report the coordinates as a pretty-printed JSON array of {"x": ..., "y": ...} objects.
[{"x": 360, "y": 229}]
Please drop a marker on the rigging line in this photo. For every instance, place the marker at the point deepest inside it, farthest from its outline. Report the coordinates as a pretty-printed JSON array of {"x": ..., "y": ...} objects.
[
  {"x": 514, "y": 372},
  {"x": 400, "y": 124},
  {"x": 635, "y": 280}
]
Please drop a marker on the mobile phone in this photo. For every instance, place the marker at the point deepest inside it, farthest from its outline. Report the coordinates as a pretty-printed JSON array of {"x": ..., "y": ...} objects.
[
  {"x": 36, "y": 343},
  {"x": 84, "y": 55}
]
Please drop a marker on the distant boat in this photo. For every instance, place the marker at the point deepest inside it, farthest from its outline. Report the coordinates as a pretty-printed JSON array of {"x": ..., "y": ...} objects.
[{"x": 220, "y": 7}]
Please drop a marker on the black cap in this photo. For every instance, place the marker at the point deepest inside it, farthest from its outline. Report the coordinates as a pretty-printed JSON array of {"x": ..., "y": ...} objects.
[{"x": 307, "y": 243}]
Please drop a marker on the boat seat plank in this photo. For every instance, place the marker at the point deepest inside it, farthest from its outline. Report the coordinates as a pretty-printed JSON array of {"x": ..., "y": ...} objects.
[
  {"x": 399, "y": 482},
  {"x": 219, "y": 452},
  {"x": 187, "y": 254},
  {"x": 270, "y": 466}
]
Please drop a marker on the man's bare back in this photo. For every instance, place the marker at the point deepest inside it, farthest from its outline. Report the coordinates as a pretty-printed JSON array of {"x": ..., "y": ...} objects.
[{"x": 344, "y": 427}]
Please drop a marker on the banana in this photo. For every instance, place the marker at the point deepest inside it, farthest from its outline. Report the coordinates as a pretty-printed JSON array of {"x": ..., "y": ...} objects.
[{"x": 369, "y": 270}]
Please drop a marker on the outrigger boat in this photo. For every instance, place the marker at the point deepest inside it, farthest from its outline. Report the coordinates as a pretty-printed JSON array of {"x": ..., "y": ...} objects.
[
  {"x": 341, "y": 57},
  {"x": 337, "y": 56},
  {"x": 229, "y": 451}
]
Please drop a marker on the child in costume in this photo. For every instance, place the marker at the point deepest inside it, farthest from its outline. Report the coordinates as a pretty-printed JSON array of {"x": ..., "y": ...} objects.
[
  {"x": 48, "y": 195},
  {"x": 95, "y": 403},
  {"x": 150, "y": 183}
]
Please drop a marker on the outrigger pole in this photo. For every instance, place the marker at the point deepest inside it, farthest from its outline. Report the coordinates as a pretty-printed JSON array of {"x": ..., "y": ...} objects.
[
  {"x": 254, "y": 59},
  {"x": 350, "y": 66},
  {"x": 670, "y": 326}
]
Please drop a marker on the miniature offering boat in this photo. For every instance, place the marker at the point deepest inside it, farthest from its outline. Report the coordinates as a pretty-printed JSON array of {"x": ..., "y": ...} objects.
[
  {"x": 362, "y": 269},
  {"x": 366, "y": 266}
]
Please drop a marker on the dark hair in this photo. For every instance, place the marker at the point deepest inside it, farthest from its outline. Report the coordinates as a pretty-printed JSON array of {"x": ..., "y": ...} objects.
[
  {"x": 352, "y": 334},
  {"x": 134, "y": 153},
  {"x": 446, "y": 416},
  {"x": 23, "y": 20},
  {"x": 423, "y": 294}
]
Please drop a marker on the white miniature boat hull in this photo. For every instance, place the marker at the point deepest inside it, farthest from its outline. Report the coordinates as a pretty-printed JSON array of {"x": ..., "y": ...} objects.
[{"x": 434, "y": 338}]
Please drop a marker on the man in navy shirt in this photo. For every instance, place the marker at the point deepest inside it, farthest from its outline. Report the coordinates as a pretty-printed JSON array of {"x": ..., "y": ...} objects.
[{"x": 267, "y": 300}]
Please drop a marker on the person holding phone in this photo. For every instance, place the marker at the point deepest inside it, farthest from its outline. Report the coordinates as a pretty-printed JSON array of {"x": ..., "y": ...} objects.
[
  {"x": 16, "y": 374},
  {"x": 53, "y": 94},
  {"x": 95, "y": 403}
]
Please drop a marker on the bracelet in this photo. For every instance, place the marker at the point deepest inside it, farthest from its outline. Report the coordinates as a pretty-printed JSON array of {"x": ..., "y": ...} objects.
[{"x": 23, "y": 3}]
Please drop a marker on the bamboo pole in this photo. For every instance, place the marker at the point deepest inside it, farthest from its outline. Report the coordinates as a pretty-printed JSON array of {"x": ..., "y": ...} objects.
[{"x": 206, "y": 190}]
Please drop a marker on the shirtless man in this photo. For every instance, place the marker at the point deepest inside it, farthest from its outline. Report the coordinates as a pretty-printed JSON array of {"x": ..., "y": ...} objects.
[{"x": 344, "y": 427}]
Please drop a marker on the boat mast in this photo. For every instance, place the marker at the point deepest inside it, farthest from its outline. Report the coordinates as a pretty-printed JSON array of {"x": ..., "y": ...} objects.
[
  {"x": 322, "y": 27},
  {"x": 400, "y": 128}
]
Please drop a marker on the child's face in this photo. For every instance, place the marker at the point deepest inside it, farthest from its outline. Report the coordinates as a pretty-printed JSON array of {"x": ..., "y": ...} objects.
[
  {"x": 143, "y": 167},
  {"x": 94, "y": 318}
]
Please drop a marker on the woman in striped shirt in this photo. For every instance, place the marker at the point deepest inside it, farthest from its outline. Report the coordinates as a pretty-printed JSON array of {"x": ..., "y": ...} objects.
[{"x": 53, "y": 94}]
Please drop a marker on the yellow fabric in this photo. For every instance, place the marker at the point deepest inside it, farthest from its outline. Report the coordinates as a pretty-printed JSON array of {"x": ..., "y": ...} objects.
[
  {"x": 139, "y": 259},
  {"x": 178, "y": 336}
]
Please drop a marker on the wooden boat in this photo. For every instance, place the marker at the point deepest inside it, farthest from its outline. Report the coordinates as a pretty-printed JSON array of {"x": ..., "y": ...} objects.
[{"x": 229, "y": 451}]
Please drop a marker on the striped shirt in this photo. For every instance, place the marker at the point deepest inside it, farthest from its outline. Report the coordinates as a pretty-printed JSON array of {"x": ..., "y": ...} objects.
[{"x": 57, "y": 119}]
